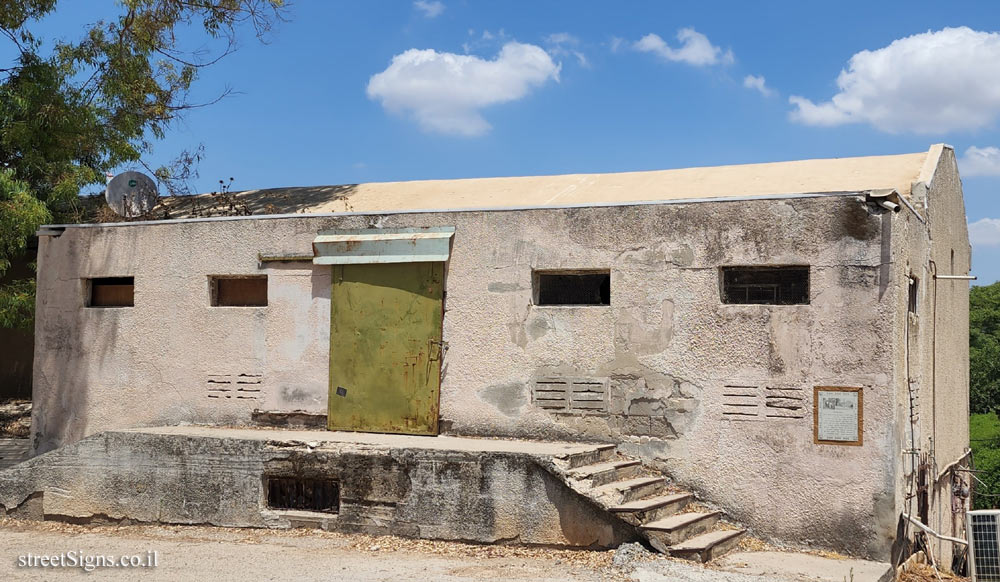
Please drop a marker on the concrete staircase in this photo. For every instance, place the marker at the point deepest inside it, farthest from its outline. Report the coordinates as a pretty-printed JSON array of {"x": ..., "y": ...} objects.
[{"x": 661, "y": 512}]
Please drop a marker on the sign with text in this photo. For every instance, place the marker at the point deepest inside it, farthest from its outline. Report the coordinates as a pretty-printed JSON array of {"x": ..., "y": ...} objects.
[{"x": 837, "y": 415}]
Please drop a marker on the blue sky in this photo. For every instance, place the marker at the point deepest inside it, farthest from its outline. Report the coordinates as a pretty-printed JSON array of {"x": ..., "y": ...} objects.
[{"x": 348, "y": 92}]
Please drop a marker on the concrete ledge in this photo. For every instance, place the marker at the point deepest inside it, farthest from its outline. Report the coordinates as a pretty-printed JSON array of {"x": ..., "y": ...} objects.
[
  {"x": 799, "y": 566},
  {"x": 478, "y": 490}
]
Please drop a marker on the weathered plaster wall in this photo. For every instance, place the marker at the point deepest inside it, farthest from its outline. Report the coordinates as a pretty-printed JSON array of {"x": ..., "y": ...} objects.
[
  {"x": 670, "y": 349},
  {"x": 484, "y": 497},
  {"x": 936, "y": 350}
]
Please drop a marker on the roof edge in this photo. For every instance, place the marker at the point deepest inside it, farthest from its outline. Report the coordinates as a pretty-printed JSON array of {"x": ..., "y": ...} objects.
[
  {"x": 57, "y": 229},
  {"x": 931, "y": 162}
]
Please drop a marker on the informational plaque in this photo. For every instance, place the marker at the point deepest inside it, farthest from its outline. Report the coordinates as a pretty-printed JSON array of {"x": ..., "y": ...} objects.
[{"x": 837, "y": 415}]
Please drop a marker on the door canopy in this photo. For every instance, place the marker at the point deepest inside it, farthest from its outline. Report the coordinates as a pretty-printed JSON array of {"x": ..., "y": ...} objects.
[{"x": 382, "y": 245}]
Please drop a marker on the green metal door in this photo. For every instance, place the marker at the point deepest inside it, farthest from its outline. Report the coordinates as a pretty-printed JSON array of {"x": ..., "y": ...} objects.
[{"x": 385, "y": 347}]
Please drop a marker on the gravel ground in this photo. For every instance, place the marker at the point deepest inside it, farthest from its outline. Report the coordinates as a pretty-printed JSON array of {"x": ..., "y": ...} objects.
[
  {"x": 208, "y": 553},
  {"x": 15, "y": 418}
]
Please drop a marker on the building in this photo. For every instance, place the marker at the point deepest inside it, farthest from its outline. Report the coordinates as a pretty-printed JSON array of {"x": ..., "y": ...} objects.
[{"x": 788, "y": 339}]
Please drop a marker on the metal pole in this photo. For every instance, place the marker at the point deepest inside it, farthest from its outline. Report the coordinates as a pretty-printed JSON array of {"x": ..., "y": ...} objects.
[{"x": 917, "y": 523}]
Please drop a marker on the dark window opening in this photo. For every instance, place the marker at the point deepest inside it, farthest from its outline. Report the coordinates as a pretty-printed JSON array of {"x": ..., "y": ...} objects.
[
  {"x": 911, "y": 299},
  {"x": 303, "y": 494},
  {"x": 112, "y": 292},
  {"x": 765, "y": 285},
  {"x": 248, "y": 291},
  {"x": 573, "y": 288}
]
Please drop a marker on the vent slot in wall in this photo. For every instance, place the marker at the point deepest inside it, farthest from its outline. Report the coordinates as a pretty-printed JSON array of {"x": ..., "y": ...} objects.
[
  {"x": 787, "y": 402},
  {"x": 573, "y": 395},
  {"x": 741, "y": 402},
  {"x": 240, "y": 386},
  {"x": 303, "y": 494}
]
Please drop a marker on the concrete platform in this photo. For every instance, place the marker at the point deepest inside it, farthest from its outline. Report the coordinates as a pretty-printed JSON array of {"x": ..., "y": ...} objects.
[
  {"x": 802, "y": 567},
  {"x": 324, "y": 438},
  {"x": 446, "y": 488}
]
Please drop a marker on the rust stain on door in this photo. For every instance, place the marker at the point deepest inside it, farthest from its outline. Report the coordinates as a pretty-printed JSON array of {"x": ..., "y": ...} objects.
[{"x": 385, "y": 338}]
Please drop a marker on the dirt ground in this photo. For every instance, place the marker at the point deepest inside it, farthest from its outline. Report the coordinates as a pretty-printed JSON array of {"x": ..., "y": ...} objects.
[
  {"x": 208, "y": 553},
  {"x": 15, "y": 419}
]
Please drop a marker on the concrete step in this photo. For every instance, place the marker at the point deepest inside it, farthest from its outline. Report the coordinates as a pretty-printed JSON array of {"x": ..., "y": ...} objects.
[
  {"x": 599, "y": 454},
  {"x": 652, "y": 509},
  {"x": 621, "y": 492},
  {"x": 672, "y": 530},
  {"x": 603, "y": 473},
  {"x": 13, "y": 451},
  {"x": 707, "y": 546}
]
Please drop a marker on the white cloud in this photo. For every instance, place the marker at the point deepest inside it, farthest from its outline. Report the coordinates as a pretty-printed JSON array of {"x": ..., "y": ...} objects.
[
  {"x": 431, "y": 9},
  {"x": 932, "y": 82},
  {"x": 695, "y": 49},
  {"x": 485, "y": 40},
  {"x": 616, "y": 43},
  {"x": 980, "y": 161},
  {"x": 985, "y": 232},
  {"x": 757, "y": 83},
  {"x": 564, "y": 44},
  {"x": 562, "y": 38},
  {"x": 445, "y": 92}
]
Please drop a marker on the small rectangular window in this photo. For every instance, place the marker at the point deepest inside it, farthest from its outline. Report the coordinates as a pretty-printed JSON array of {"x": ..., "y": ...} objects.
[
  {"x": 239, "y": 291},
  {"x": 911, "y": 300},
  {"x": 765, "y": 285},
  {"x": 572, "y": 288},
  {"x": 111, "y": 292}
]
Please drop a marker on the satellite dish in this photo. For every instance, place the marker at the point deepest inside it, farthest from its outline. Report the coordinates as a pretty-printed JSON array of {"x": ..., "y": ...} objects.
[{"x": 131, "y": 194}]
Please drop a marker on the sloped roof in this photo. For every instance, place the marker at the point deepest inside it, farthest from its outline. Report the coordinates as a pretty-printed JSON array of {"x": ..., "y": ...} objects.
[{"x": 751, "y": 180}]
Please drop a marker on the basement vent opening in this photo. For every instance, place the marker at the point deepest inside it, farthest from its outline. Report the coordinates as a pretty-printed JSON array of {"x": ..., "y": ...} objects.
[
  {"x": 572, "y": 287},
  {"x": 573, "y": 395},
  {"x": 239, "y": 386},
  {"x": 239, "y": 291},
  {"x": 296, "y": 493},
  {"x": 765, "y": 285},
  {"x": 751, "y": 403},
  {"x": 111, "y": 292}
]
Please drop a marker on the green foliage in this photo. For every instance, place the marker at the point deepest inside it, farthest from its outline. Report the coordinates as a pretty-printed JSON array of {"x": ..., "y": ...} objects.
[
  {"x": 93, "y": 104},
  {"x": 20, "y": 215},
  {"x": 984, "y": 348},
  {"x": 984, "y": 391},
  {"x": 984, "y": 434}
]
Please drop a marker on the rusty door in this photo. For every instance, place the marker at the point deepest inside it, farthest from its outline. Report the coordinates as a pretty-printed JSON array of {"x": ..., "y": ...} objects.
[{"x": 385, "y": 347}]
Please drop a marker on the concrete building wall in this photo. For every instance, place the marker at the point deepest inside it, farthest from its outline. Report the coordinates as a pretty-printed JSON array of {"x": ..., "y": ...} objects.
[
  {"x": 670, "y": 351},
  {"x": 937, "y": 349}
]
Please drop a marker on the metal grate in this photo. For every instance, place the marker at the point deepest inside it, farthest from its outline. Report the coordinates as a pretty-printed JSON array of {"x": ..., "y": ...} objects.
[
  {"x": 765, "y": 285},
  {"x": 303, "y": 494},
  {"x": 572, "y": 288},
  {"x": 577, "y": 395},
  {"x": 984, "y": 545}
]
